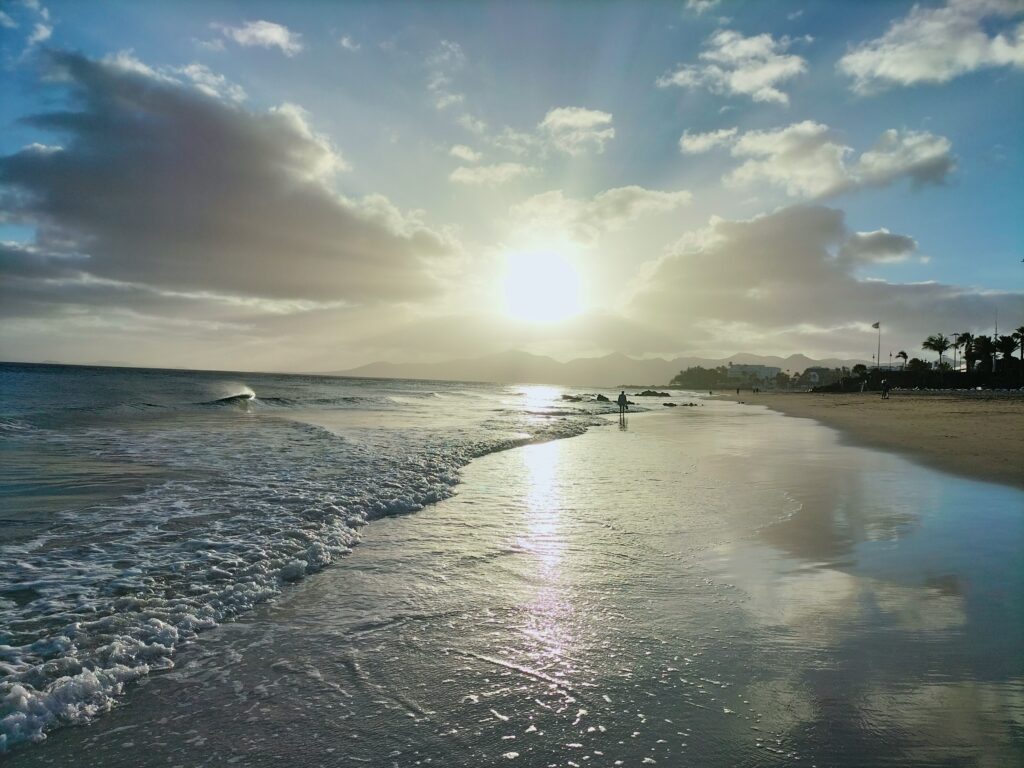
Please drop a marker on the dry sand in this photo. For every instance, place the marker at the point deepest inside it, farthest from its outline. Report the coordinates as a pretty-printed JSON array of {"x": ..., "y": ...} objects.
[{"x": 979, "y": 436}]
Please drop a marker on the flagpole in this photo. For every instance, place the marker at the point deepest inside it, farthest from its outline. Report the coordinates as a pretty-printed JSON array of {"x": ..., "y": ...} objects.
[{"x": 879, "y": 357}]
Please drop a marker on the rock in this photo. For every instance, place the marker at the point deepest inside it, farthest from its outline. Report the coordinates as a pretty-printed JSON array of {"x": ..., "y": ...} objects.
[
  {"x": 572, "y": 398},
  {"x": 652, "y": 393},
  {"x": 670, "y": 405},
  {"x": 601, "y": 399}
]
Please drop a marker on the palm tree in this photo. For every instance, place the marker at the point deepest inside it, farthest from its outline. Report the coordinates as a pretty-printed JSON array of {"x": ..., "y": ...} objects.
[
  {"x": 1018, "y": 334},
  {"x": 1006, "y": 346},
  {"x": 984, "y": 350},
  {"x": 966, "y": 340},
  {"x": 936, "y": 343},
  {"x": 901, "y": 355},
  {"x": 955, "y": 344}
]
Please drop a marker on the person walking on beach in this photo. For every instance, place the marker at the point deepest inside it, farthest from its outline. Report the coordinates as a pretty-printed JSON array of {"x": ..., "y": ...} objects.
[
  {"x": 885, "y": 389},
  {"x": 623, "y": 402}
]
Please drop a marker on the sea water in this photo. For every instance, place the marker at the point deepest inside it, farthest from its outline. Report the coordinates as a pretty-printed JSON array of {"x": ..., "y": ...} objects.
[
  {"x": 139, "y": 508},
  {"x": 714, "y": 586}
]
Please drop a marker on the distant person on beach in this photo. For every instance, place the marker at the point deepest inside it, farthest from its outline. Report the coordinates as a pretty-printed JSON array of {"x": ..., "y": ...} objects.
[
  {"x": 623, "y": 402},
  {"x": 885, "y": 389},
  {"x": 737, "y": 391}
]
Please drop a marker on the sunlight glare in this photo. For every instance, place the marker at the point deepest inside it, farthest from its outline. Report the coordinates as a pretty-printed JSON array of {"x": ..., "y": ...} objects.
[{"x": 541, "y": 287}]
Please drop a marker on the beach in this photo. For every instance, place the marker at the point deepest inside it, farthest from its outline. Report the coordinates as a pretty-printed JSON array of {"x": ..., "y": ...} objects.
[
  {"x": 717, "y": 585},
  {"x": 971, "y": 434}
]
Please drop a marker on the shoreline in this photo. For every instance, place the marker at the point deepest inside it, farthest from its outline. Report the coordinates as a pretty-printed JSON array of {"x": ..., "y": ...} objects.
[{"x": 974, "y": 436}]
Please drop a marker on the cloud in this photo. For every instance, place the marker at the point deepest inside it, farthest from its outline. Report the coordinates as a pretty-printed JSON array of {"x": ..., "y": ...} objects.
[
  {"x": 700, "y": 6},
  {"x": 922, "y": 156},
  {"x": 490, "y": 175},
  {"x": 467, "y": 154},
  {"x": 935, "y": 45},
  {"x": 263, "y": 34},
  {"x": 788, "y": 280},
  {"x": 444, "y": 61},
  {"x": 586, "y": 220},
  {"x": 878, "y": 247},
  {"x": 213, "y": 84},
  {"x": 697, "y": 143},
  {"x": 738, "y": 65},
  {"x": 172, "y": 191},
  {"x": 516, "y": 142},
  {"x": 40, "y": 34},
  {"x": 7, "y": 22},
  {"x": 472, "y": 124},
  {"x": 576, "y": 130},
  {"x": 348, "y": 43},
  {"x": 806, "y": 159}
]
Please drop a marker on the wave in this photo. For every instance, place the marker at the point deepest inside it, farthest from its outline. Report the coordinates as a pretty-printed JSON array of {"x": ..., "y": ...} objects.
[
  {"x": 109, "y": 595},
  {"x": 239, "y": 399}
]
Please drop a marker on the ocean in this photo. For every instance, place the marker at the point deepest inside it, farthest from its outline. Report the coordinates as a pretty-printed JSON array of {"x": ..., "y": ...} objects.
[
  {"x": 142, "y": 507},
  {"x": 207, "y": 569}
]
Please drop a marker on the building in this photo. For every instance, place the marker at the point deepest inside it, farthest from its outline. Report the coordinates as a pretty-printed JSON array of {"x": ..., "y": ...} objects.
[{"x": 761, "y": 372}]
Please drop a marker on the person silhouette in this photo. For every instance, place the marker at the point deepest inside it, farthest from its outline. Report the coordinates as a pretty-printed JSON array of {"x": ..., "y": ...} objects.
[{"x": 623, "y": 402}]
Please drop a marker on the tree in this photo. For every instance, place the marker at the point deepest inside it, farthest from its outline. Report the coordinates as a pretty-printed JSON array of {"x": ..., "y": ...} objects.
[
  {"x": 985, "y": 353},
  {"x": 860, "y": 370},
  {"x": 954, "y": 342},
  {"x": 699, "y": 378},
  {"x": 1006, "y": 346},
  {"x": 1018, "y": 334},
  {"x": 917, "y": 365},
  {"x": 901, "y": 355},
  {"x": 966, "y": 340},
  {"x": 936, "y": 343}
]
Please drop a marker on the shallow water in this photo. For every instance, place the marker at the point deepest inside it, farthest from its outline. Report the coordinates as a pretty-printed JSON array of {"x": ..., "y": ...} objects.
[
  {"x": 139, "y": 508},
  {"x": 711, "y": 586}
]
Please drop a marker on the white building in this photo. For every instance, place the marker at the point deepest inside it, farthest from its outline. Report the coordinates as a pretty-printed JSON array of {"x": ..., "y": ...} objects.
[{"x": 762, "y": 372}]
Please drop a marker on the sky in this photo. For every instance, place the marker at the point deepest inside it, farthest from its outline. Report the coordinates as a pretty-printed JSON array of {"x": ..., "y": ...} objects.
[{"x": 311, "y": 186}]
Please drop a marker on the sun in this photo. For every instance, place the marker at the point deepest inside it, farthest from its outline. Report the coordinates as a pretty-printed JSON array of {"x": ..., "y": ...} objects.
[{"x": 540, "y": 287}]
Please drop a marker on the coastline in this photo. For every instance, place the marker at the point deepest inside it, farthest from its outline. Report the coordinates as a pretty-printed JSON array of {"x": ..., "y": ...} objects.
[{"x": 979, "y": 436}]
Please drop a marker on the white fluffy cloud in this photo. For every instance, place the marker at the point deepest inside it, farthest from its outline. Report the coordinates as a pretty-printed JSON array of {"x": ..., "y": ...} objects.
[
  {"x": 490, "y": 175},
  {"x": 934, "y": 45},
  {"x": 807, "y": 159},
  {"x": 737, "y": 65},
  {"x": 464, "y": 153},
  {"x": 697, "y": 143},
  {"x": 40, "y": 34},
  {"x": 790, "y": 279},
  {"x": 348, "y": 43},
  {"x": 585, "y": 220},
  {"x": 700, "y": 6},
  {"x": 212, "y": 83},
  {"x": 576, "y": 130},
  {"x": 263, "y": 34}
]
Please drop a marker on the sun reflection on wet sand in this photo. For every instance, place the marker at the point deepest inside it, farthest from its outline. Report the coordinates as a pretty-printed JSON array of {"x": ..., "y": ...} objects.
[
  {"x": 548, "y": 614},
  {"x": 541, "y": 533}
]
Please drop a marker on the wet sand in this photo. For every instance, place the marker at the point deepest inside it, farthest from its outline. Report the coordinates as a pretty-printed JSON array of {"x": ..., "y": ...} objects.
[
  {"x": 710, "y": 586},
  {"x": 980, "y": 436}
]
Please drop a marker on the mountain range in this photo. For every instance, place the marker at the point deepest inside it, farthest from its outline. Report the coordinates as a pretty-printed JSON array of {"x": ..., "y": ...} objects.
[{"x": 514, "y": 366}]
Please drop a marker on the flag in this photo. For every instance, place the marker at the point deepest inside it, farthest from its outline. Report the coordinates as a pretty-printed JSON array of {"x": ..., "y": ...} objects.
[{"x": 874, "y": 325}]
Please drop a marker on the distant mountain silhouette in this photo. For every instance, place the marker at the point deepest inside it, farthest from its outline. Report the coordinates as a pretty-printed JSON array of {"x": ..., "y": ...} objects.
[{"x": 515, "y": 366}]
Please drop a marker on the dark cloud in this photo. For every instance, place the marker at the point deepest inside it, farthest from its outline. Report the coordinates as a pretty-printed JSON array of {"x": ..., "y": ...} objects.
[
  {"x": 169, "y": 187},
  {"x": 878, "y": 246},
  {"x": 786, "y": 280}
]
